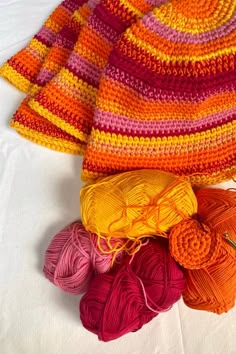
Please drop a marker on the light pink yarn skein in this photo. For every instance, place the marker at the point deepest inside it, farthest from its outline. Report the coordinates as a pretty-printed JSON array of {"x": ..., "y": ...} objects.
[{"x": 72, "y": 259}]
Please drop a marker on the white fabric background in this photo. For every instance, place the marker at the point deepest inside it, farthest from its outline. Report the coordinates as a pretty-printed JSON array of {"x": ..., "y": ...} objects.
[{"x": 39, "y": 192}]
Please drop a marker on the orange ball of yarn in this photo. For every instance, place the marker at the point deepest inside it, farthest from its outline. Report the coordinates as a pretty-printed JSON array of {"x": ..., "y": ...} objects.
[
  {"x": 193, "y": 244},
  {"x": 217, "y": 208},
  {"x": 213, "y": 288}
]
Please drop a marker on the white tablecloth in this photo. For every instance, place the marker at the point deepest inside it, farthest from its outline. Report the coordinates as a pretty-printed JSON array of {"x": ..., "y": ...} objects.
[{"x": 39, "y": 192}]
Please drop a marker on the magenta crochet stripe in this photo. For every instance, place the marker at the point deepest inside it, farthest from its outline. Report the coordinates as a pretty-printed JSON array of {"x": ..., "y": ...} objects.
[
  {"x": 44, "y": 76},
  {"x": 151, "y": 88},
  {"x": 72, "y": 5},
  {"x": 46, "y": 36},
  {"x": 83, "y": 69},
  {"x": 172, "y": 72}
]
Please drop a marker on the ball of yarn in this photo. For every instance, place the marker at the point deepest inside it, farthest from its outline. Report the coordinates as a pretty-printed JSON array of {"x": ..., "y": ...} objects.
[
  {"x": 124, "y": 300},
  {"x": 135, "y": 204},
  {"x": 213, "y": 288},
  {"x": 193, "y": 244},
  {"x": 217, "y": 207},
  {"x": 73, "y": 258}
]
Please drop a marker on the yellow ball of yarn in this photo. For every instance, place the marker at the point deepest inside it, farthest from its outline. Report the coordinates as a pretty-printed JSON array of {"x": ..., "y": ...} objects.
[{"x": 136, "y": 204}]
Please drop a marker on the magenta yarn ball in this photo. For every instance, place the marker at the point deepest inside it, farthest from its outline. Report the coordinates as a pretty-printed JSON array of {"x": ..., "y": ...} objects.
[
  {"x": 73, "y": 258},
  {"x": 128, "y": 297}
]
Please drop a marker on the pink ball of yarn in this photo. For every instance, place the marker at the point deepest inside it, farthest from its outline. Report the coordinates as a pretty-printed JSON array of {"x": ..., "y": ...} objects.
[
  {"x": 73, "y": 258},
  {"x": 126, "y": 298}
]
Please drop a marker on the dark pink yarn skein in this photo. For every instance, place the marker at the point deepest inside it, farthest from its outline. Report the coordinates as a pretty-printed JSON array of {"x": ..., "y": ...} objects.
[
  {"x": 72, "y": 259},
  {"x": 128, "y": 297}
]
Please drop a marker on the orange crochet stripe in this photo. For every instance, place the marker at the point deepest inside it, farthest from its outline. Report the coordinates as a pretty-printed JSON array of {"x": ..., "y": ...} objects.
[
  {"x": 71, "y": 110},
  {"x": 22, "y": 69},
  {"x": 165, "y": 110},
  {"x": 166, "y": 98},
  {"x": 38, "y": 129}
]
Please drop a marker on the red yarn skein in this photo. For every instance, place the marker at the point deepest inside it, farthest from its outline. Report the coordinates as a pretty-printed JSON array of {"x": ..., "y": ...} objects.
[{"x": 128, "y": 297}]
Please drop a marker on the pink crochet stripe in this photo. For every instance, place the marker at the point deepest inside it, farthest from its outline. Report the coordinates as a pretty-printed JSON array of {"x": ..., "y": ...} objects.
[
  {"x": 44, "y": 76},
  {"x": 81, "y": 67},
  {"x": 154, "y": 25},
  {"x": 114, "y": 123},
  {"x": 71, "y": 5},
  {"x": 46, "y": 36},
  {"x": 156, "y": 2}
]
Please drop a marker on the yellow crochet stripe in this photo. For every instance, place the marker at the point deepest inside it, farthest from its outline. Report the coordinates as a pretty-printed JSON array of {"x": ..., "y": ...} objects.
[
  {"x": 80, "y": 17},
  {"x": 60, "y": 123},
  {"x": 69, "y": 77},
  {"x": 69, "y": 83},
  {"x": 90, "y": 56},
  {"x": 48, "y": 141},
  {"x": 15, "y": 78},
  {"x": 168, "y": 15},
  {"x": 117, "y": 108},
  {"x": 34, "y": 90},
  {"x": 130, "y": 7},
  {"x": 172, "y": 58},
  {"x": 90, "y": 177},
  {"x": 52, "y": 25},
  {"x": 52, "y": 67},
  {"x": 39, "y": 49},
  {"x": 217, "y": 177},
  {"x": 206, "y": 136}
]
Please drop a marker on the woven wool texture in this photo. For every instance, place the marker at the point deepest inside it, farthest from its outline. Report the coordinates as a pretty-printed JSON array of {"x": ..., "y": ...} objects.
[{"x": 167, "y": 97}]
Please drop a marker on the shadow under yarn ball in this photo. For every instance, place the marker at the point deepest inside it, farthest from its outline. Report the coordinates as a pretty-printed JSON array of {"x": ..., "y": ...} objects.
[{"x": 128, "y": 297}]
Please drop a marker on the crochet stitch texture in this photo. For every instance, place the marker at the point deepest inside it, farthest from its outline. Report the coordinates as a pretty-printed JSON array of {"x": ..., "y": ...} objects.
[
  {"x": 133, "y": 85},
  {"x": 167, "y": 97}
]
